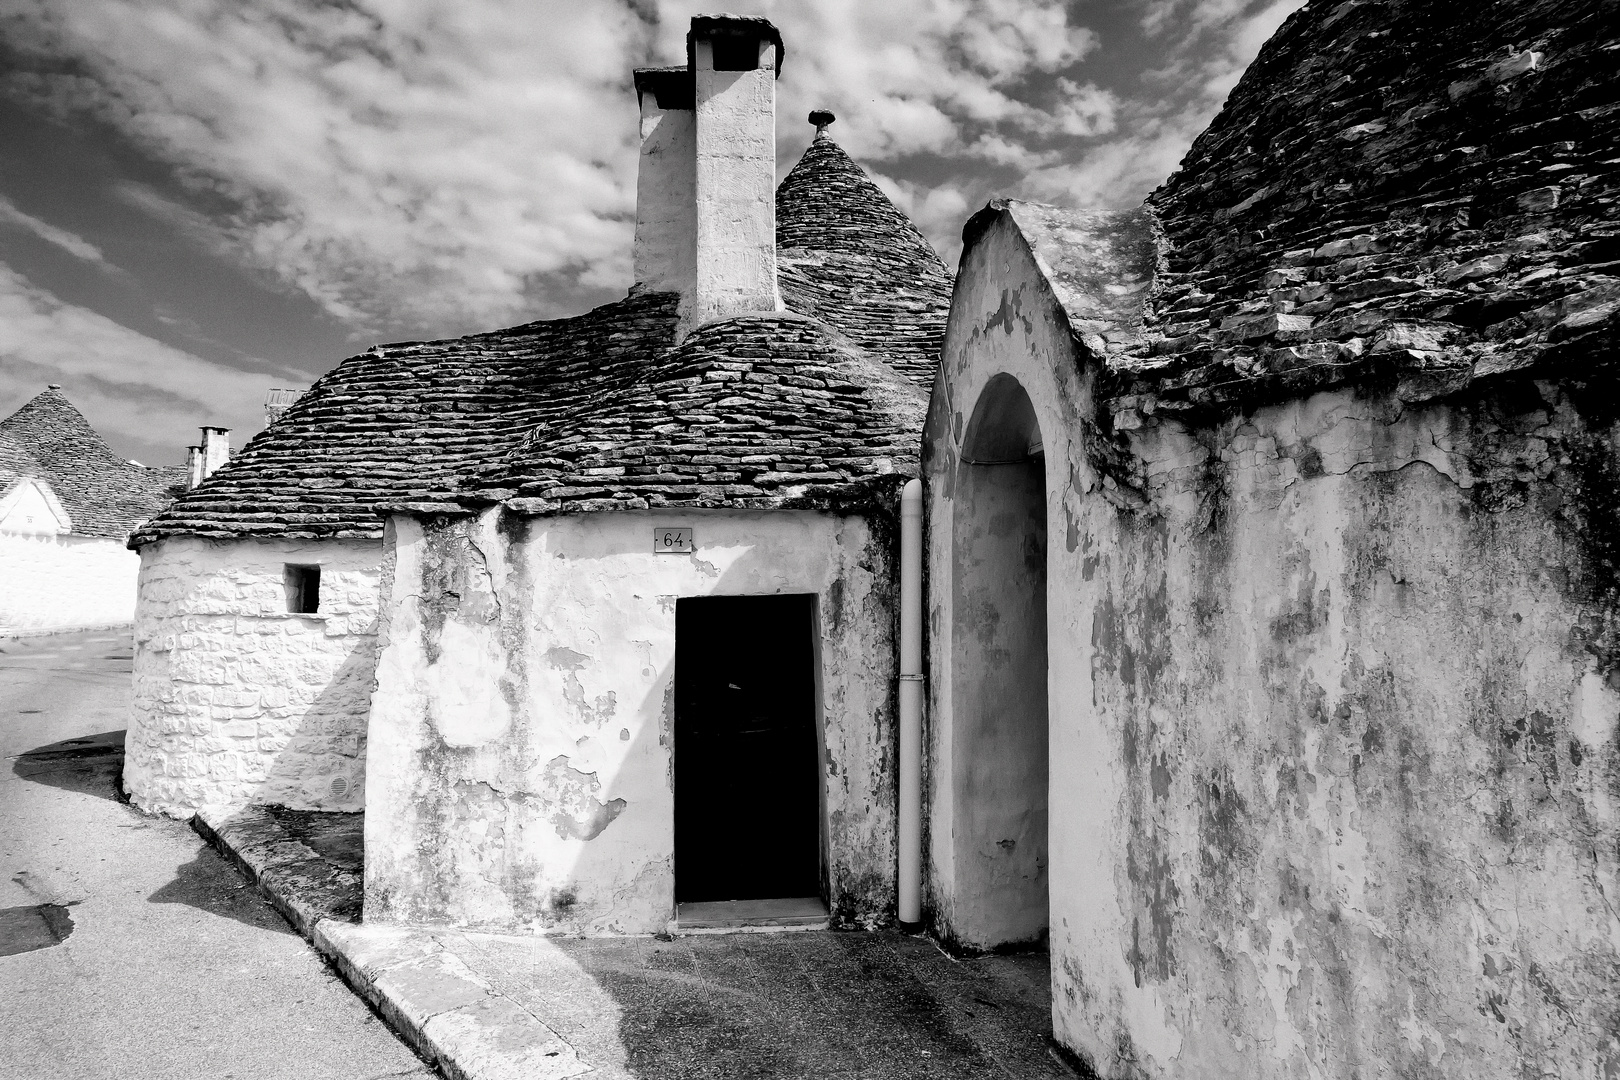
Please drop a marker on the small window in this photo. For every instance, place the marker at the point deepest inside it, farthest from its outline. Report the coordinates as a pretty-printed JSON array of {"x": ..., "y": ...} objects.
[
  {"x": 735, "y": 53},
  {"x": 303, "y": 589}
]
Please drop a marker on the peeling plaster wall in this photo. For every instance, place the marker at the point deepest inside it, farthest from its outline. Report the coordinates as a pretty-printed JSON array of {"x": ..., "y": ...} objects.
[
  {"x": 1334, "y": 694},
  {"x": 520, "y": 774},
  {"x": 238, "y": 701},
  {"x": 63, "y": 581}
]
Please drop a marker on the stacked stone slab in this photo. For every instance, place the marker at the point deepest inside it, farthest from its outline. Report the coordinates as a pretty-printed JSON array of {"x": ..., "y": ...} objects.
[{"x": 1419, "y": 194}]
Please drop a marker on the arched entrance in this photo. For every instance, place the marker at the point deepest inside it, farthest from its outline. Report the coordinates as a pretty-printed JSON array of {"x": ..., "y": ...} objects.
[{"x": 998, "y": 672}]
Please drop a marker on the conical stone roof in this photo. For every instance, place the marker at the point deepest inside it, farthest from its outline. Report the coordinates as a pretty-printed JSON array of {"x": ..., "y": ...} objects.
[
  {"x": 1418, "y": 194},
  {"x": 848, "y": 256},
  {"x": 104, "y": 494}
]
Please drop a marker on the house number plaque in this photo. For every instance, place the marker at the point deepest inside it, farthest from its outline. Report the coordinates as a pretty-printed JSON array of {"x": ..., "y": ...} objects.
[{"x": 672, "y": 541}]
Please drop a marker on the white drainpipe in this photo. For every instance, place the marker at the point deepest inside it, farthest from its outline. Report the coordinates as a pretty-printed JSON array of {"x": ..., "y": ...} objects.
[{"x": 911, "y": 702}]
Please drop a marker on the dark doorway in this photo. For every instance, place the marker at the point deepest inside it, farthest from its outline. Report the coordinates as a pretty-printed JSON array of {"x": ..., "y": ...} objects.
[{"x": 747, "y": 805}]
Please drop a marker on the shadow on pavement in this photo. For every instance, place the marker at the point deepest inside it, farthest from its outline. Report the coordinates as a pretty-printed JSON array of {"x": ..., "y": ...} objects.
[
  {"x": 89, "y": 764},
  {"x": 208, "y": 883},
  {"x": 826, "y": 1004}
]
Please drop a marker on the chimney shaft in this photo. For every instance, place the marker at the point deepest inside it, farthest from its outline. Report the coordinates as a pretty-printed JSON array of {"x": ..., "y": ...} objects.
[
  {"x": 216, "y": 449},
  {"x": 666, "y": 199},
  {"x": 194, "y": 466},
  {"x": 734, "y": 66}
]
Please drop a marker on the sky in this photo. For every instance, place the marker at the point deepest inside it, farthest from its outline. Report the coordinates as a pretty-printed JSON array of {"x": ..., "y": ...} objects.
[{"x": 204, "y": 199}]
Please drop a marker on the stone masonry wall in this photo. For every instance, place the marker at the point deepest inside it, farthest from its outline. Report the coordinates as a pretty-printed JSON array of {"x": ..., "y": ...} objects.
[
  {"x": 59, "y": 582},
  {"x": 238, "y": 701}
]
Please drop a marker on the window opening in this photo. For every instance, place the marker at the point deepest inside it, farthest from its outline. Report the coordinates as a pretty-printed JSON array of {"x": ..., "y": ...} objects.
[
  {"x": 303, "y": 589},
  {"x": 736, "y": 53}
]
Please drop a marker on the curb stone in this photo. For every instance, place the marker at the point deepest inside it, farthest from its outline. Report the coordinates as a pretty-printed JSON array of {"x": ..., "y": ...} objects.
[{"x": 438, "y": 1005}]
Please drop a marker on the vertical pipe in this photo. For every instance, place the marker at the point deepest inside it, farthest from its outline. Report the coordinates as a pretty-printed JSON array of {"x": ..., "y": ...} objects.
[{"x": 911, "y": 702}]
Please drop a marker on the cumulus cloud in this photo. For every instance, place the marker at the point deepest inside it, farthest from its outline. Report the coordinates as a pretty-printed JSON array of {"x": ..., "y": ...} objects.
[
  {"x": 127, "y": 385},
  {"x": 440, "y": 160},
  {"x": 434, "y": 167},
  {"x": 1206, "y": 46}
]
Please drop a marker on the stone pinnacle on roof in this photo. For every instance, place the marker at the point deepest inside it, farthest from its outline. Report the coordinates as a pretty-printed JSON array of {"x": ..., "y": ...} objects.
[{"x": 821, "y": 118}]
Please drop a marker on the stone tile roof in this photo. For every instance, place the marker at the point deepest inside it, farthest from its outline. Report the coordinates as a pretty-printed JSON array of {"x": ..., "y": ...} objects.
[
  {"x": 846, "y": 255},
  {"x": 407, "y": 422},
  {"x": 103, "y": 494},
  {"x": 818, "y": 406},
  {"x": 1421, "y": 194},
  {"x": 762, "y": 412}
]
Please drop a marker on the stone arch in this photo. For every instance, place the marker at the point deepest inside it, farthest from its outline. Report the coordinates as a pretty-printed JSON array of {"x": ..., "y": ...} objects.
[{"x": 998, "y": 675}]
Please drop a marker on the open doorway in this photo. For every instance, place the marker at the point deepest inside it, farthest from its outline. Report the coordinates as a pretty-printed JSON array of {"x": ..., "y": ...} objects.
[
  {"x": 747, "y": 760},
  {"x": 1000, "y": 739}
]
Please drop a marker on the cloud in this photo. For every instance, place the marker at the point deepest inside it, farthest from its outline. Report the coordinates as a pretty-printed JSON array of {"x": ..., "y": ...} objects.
[
  {"x": 434, "y": 160},
  {"x": 439, "y": 166},
  {"x": 1206, "y": 45},
  {"x": 127, "y": 385},
  {"x": 69, "y": 242}
]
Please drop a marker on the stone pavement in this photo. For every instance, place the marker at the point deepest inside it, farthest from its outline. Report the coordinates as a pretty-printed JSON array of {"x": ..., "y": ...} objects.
[
  {"x": 128, "y": 948},
  {"x": 831, "y": 1005}
]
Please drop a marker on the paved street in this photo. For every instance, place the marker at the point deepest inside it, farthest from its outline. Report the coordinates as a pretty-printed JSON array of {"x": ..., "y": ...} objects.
[{"x": 127, "y": 948}]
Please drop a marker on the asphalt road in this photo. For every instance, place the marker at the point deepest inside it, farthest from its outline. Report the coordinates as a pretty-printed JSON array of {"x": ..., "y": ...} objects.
[{"x": 128, "y": 949}]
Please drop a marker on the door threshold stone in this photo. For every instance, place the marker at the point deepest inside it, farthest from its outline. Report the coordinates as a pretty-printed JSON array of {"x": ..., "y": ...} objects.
[{"x": 730, "y": 916}]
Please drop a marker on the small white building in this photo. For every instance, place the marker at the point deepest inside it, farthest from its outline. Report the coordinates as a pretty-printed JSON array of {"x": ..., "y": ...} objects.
[
  {"x": 67, "y": 506},
  {"x": 592, "y": 616}
]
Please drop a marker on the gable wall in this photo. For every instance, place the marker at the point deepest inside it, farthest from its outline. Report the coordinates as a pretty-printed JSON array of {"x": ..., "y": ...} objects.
[
  {"x": 238, "y": 701},
  {"x": 1334, "y": 753},
  {"x": 520, "y": 774}
]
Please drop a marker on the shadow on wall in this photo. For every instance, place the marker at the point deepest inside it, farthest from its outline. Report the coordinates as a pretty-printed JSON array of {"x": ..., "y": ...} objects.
[{"x": 320, "y": 762}]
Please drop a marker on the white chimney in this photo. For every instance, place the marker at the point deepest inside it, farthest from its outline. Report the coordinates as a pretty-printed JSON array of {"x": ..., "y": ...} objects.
[
  {"x": 666, "y": 194},
  {"x": 734, "y": 62},
  {"x": 216, "y": 449},
  {"x": 194, "y": 466}
]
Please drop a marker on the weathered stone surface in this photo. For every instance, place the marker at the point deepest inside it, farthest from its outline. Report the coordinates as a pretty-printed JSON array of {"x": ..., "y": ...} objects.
[
  {"x": 1334, "y": 738},
  {"x": 1331, "y": 609}
]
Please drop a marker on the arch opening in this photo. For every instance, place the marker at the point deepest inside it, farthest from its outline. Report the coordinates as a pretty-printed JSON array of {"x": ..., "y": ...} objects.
[{"x": 1000, "y": 738}]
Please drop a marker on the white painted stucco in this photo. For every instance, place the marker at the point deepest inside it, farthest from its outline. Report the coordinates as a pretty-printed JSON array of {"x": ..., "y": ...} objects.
[
  {"x": 520, "y": 769},
  {"x": 1333, "y": 733},
  {"x": 29, "y": 506},
  {"x": 58, "y": 582},
  {"x": 238, "y": 701},
  {"x": 666, "y": 199},
  {"x": 736, "y": 187}
]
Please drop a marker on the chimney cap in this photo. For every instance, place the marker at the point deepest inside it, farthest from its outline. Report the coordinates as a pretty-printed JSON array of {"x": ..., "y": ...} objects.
[
  {"x": 821, "y": 118},
  {"x": 725, "y": 24},
  {"x": 53, "y": 386},
  {"x": 671, "y": 87}
]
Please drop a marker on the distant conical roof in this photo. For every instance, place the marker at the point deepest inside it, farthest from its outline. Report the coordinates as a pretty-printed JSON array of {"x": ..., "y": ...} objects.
[
  {"x": 104, "y": 494},
  {"x": 848, "y": 256}
]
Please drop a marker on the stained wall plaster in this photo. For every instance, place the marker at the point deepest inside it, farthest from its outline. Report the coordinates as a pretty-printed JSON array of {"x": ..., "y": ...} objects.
[
  {"x": 520, "y": 773},
  {"x": 1333, "y": 717}
]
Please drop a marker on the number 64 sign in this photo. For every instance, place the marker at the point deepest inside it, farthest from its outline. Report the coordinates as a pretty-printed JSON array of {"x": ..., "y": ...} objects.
[{"x": 669, "y": 541}]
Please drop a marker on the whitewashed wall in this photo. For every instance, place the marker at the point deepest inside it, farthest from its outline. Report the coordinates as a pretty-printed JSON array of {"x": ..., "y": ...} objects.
[
  {"x": 64, "y": 581},
  {"x": 238, "y": 701},
  {"x": 520, "y": 767},
  {"x": 1334, "y": 688}
]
